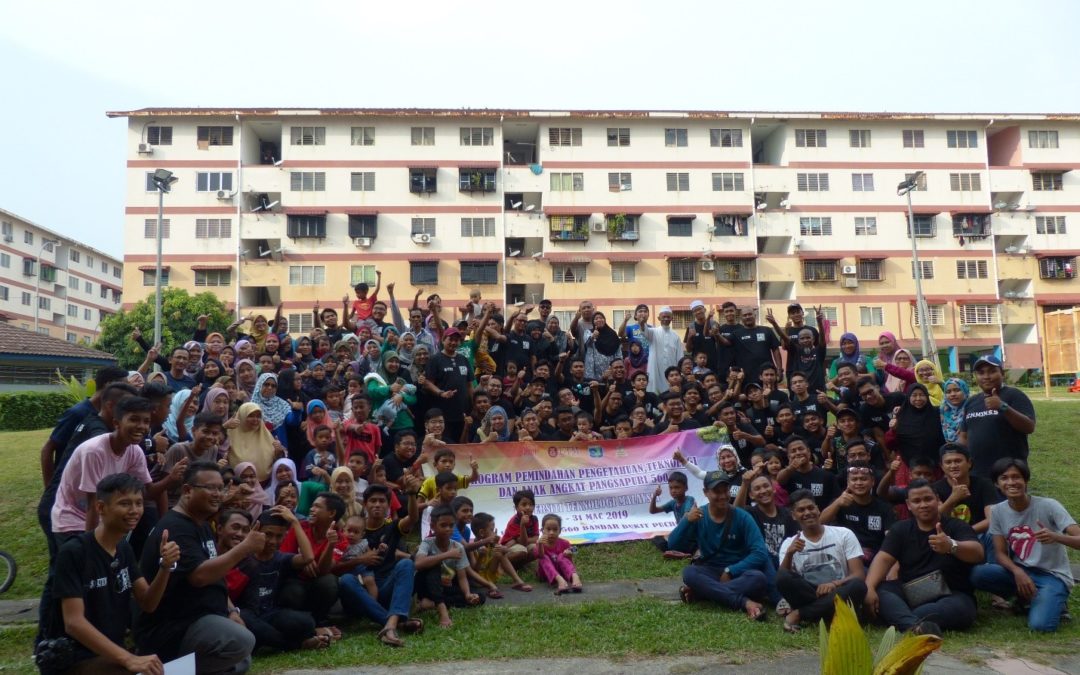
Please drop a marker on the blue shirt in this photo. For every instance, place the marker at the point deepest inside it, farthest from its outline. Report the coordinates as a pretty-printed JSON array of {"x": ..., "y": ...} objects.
[
  {"x": 678, "y": 509},
  {"x": 741, "y": 549},
  {"x": 65, "y": 426},
  {"x": 462, "y": 535}
]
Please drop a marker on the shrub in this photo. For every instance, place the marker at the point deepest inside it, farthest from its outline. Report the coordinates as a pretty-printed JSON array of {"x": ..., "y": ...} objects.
[{"x": 27, "y": 410}]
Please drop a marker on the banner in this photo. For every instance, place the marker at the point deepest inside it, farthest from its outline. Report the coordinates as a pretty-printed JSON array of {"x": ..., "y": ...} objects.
[{"x": 601, "y": 490}]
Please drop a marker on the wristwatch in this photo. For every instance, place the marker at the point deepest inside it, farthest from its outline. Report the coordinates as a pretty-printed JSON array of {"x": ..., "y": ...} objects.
[
  {"x": 234, "y": 610},
  {"x": 727, "y": 571},
  {"x": 954, "y": 546},
  {"x": 1004, "y": 408}
]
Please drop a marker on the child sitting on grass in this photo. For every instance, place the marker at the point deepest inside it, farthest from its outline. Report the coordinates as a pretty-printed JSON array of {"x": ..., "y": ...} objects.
[
  {"x": 679, "y": 504},
  {"x": 441, "y": 564},
  {"x": 521, "y": 534},
  {"x": 489, "y": 558},
  {"x": 444, "y": 459},
  {"x": 355, "y": 529},
  {"x": 554, "y": 558},
  {"x": 463, "y": 515},
  {"x": 446, "y": 487}
]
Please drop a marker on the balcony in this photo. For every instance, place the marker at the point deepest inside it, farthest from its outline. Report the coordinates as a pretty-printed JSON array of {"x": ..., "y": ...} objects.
[
  {"x": 422, "y": 180},
  {"x": 622, "y": 227},
  {"x": 970, "y": 225},
  {"x": 569, "y": 228},
  {"x": 475, "y": 179},
  {"x": 729, "y": 225},
  {"x": 1061, "y": 268}
]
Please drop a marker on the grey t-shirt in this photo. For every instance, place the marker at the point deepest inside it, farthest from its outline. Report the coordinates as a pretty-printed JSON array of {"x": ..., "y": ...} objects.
[{"x": 1019, "y": 528}]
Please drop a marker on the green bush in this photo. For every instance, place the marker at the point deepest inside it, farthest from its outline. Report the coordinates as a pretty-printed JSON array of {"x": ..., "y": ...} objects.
[{"x": 27, "y": 410}]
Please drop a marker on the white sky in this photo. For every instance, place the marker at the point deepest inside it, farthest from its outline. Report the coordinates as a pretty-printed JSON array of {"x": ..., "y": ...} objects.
[{"x": 63, "y": 64}]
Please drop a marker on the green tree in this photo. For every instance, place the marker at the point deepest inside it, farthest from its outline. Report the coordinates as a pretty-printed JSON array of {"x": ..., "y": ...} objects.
[{"x": 179, "y": 314}]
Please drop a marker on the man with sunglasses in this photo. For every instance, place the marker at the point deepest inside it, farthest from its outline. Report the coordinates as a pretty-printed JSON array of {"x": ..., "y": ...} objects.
[{"x": 860, "y": 510}]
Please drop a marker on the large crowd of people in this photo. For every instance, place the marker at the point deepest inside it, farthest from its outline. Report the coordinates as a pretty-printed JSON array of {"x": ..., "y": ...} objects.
[{"x": 240, "y": 485}]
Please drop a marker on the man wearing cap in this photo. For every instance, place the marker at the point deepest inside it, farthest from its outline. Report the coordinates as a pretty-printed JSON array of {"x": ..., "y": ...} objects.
[
  {"x": 734, "y": 560},
  {"x": 998, "y": 420},
  {"x": 545, "y": 310},
  {"x": 701, "y": 336},
  {"x": 665, "y": 349},
  {"x": 448, "y": 379}
]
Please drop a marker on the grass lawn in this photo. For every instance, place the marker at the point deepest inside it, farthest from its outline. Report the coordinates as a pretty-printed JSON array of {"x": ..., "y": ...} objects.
[{"x": 639, "y": 626}]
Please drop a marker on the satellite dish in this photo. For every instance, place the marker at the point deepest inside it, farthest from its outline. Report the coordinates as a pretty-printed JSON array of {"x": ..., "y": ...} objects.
[
  {"x": 514, "y": 254},
  {"x": 530, "y": 207},
  {"x": 515, "y": 205}
]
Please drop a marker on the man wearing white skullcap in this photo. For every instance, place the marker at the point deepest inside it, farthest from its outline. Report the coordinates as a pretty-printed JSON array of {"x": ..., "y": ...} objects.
[{"x": 665, "y": 349}]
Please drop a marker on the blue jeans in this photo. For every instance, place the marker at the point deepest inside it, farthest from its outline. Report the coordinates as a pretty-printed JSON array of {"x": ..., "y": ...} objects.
[
  {"x": 1050, "y": 597},
  {"x": 704, "y": 582},
  {"x": 395, "y": 594},
  {"x": 952, "y": 612}
]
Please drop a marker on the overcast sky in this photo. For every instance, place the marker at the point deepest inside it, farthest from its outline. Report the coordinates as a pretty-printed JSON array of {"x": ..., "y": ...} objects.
[{"x": 66, "y": 63}]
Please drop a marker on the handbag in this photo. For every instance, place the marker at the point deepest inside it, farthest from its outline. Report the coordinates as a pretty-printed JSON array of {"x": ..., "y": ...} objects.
[{"x": 927, "y": 588}]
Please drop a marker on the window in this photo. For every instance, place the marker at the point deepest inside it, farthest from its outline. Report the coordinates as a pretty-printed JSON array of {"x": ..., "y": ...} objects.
[
  {"x": 971, "y": 225},
  {"x": 362, "y": 274},
  {"x": 28, "y": 237},
  {"x": 622, "y": 226},
  {"x": 423, "y": 226},
  {"x": 73, "y": 255},
  {"x": 812, "y": 182},
  {"x": 623, "y": 272},
  {"x": 920, "y": 184},
  {"x": 159, "y": 135},
  {"x": 1047, "y": 181},
  {"x": 28, "y": 266},
  {"x": 564, "y": 136},
  {"x": 925, "y": 227},
  {"x": 363, "y": 226},
  {"x": 366, "y": 136},
  {"x": 104, "y": 267},
  {"x": 26, "y": 298},
  {"x": 569, "y": 228},
  {"x": 308, "y": 136},
  {"x": 965, "y": 182},
  {"x": 620, "y": 182},
  {"x": 423, "y": 135},
  {"x": 680, "y": 227},
  {"x": 819, "y": 270},
  {"x": 423, "y": 180},
  {"x": 962, "y": 139},
  {"x": 1049, "y": 224},
  {"x": 678, "y": 182},
  {"x": 810, "y": 138},
  {"x": 116, "y": 296},
  {"x": 618, "y": 137},
  {"x": 871, "y": 316},
  {"x": 478, "y": 227},
  {"x": 88, "y": 287},
  {"x": 682, "y": 271},
  {"x": 71, "y": 337},
  {"x": 815, "y": 226},
  {"x": 213, "y": 228},
  {"x": 306, "y": 227},
  {"x": 86, "y": 314},
  {"x": 734, "y": 270},
  {"x": 927, "y": 267},
  {"x": 725, "y": 138},
  {"x": 978, "y": 315},
  {"x": 476, "y": 180},
  {"x": 104, "y": 292},
  {"x": 307, "y": 275},
  {"x": 675, "y": 138},
  {"x": 5, "y": 260},
  {"x": 913, "y": 138},
  {"x": 871, "y": 270},
  {"x": 865, "y": 226},
  {"x": 1042, "y": 139},
  {"x": 6, "y": 228},
  {"x": 90, "y": 261},
  {"x": 212, "y": 181},
  {"x": 150, "y": 228},
  {"x": 424, "y": 273},
  {"x": 48, "y": 273},
  {"x": 726, "y": 225},
  {"x": 307, "y": 181},
  {"x": 477, "y": 136},
  {"x": 73, "y": 282},
  {"x": 681, "y": 319},
  {"x": 728, "y": 182},
  {"x": 362, "y": 181},
  {"x": 862, "y": 182},
  {"x": 213, "y": 277},
  {"x": 935, "y": 314},
  {"x": 479, "y": 273},
  {"x": 44, "y": 302},
  {"x": 565, "y": 316},
  {"x": 207, "y": 136},
  {"x": 567, "y": 182},
  {"x": 971, "y": 269},
  {"x": 301, "y": 323},
  {"x": 73, "y": 310},
  {"x": 573, "y": 273},
  {"x": 1057, "y": 268},
  {"x": 859, "y": 138},
  {"x": 4, "y": 293}
]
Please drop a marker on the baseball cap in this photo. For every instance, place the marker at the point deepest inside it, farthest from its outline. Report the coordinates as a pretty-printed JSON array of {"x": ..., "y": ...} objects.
[
  {"x": 755, "y": 385},
  {"x": 990, "y": 359},
  {"x": 714, "y": 478},
  {"x": 695, "y": 304},
  {"x": 545, "y": 301},
  {"x": 451, "y": 332},
  {"x": 794, "y": 307},
  {"x": 846, "y": 412}
]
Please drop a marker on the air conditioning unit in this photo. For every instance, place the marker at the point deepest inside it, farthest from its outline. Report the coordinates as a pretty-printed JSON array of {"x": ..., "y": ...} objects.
[
  {"x": 146, "y": 149},
  {"x": 362, "y": 242},
  {"x": 964, "y": 328},
  {"x": 421, "y": 238},
  {"x": 708, "y": 265},
  {"x": 851, "y": 282},
  {"x": 709, "y": 229},
  {"x": 223, "y": 195},
  {"x": 599, "y": 226},
  {"x": 849, "y": 269}
]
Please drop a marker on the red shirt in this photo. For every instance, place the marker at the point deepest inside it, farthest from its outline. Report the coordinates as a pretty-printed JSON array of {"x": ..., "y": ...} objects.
[
  {"x": 513, "y": 529},
  {"x": 362, "y": 308},
  {"x": 363, "y": 437},
  {"x": 290, "y": 545}
]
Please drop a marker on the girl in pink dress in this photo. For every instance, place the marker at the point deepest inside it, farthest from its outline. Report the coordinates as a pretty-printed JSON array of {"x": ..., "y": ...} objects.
[{"x": 554, "y": 557}]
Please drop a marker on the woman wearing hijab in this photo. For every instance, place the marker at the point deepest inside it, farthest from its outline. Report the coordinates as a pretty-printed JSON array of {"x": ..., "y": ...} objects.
[
  {"x": 887, "y": 346},
  {"x": 246, "y": 376},
  {"x": 406, "y": 345},
  {"x": 558, "y": 335},
  {"x": 278, "y": 413},
  {"x": 157, "y": 376},
  {"x": 916, "y": 430},
  {"x": 391, "y": 383},
  {"x": 195, "y": 357},
  {"x": 603, "y": 344},
  {"x": 251, "y": 441},
  {"x": 952, "y": 408},
  {"x": 344, "y": 485},
  {"x": 283, "y": 471},
  {"x": 136, "y": 379},
  {"x": 495, "y": 427},
  {"x": 181, "y": 420},
  {"x": 928, "y": 374},
  {"x": 258, "y": 498},
  {"x": 637, "y": 361},
  {"x": 898, "y": 372},
  {"x": 850, "y": 353}
]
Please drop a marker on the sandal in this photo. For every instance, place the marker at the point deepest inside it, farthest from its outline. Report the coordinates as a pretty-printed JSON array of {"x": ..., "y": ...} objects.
[
  {"x": 523, "y": 587},
  {"x": 495, "y": 594},
  {"x": 414, "y": 625},
  {"x": 686, "y": 595},
  {"x": 388, "y": 636},
  {"x": 792, "y": 627},
  {"x": 576, "y": 588}
]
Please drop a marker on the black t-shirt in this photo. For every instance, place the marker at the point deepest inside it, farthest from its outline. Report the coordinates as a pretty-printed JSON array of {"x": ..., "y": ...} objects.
[
  {"x": 911, "y": 547},
  {"x": 552, "y": 434},
  {"x": 753, "y": 349},
  {"x": 973, "y": 509},
  {"x": 871, "y": 417},
  {"x": 519, "y": 348},
  {"x": 799, "y": 407},
  {"x": 264, "y": 579},
  {"x": 706, "y": 343},
  {"x": 388, "y": 533},
  {"x": 819, "y": 482},
  {"x": 869, "y": 523},
  {"x": 774, "y": 530},
  {"x": 104, "y": 582},
  {"x": 686, "y": 424},
  {"x": 450, "y": 373},
  {"x": 811, "y": 362},
  {"x": 182, "y": 603},
  {"x": 760, "y": 417},
  {"x": 725, "y": 356},
  {"x": 743, "y": 447},
  {"x": 649, "y": 400},
  {"x": 989, "y": 434}
]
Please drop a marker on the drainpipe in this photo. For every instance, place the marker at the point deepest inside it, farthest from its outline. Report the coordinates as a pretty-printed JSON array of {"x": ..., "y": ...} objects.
[
  {"x": 239, "y": 210},
  {"x": 993, "y": 247}
]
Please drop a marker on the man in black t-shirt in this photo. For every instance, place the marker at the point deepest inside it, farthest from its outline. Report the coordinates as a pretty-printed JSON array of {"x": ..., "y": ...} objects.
[
  {"x": 876, "y": 408},
  {"x": 754, "y": 345},
  {"x": 964, "y": 496},
  {"x": 998, "y": 420},
  {"x": 725, "y": 350},
  {"x": 195, "y": 614},
  {"x": 922, "y": 545},
  {"x": 860, "y": 510},
  {"x": 448, "y": 378},
  {"x": 801, "y": 474},
  {"x": 96, "y": 575}
]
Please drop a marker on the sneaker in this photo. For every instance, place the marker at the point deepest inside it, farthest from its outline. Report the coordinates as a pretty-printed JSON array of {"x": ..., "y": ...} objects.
[
  {"x": 783, "y": 608},
  {"x": 926, "y": 628}
]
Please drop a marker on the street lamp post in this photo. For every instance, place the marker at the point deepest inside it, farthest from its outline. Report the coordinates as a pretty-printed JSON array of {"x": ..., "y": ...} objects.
[
  {"x": 921, "y": 310},
  {"x": 45, "y": 243},
  {"x": 163, "y": 180}
]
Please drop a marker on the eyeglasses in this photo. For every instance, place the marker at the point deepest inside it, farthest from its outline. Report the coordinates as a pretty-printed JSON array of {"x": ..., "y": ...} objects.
[
  {"x": 860, "y": 470},
  {"x": 211, "y": 488}
]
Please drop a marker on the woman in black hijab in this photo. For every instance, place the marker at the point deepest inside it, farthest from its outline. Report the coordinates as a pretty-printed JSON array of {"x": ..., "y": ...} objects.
[{"x": 917, "y": 429}]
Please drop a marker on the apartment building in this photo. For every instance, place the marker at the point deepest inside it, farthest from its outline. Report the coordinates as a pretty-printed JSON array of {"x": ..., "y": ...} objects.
[
  {"x": 621, "y": 207},
  {"x": 54, "y": 284}
]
